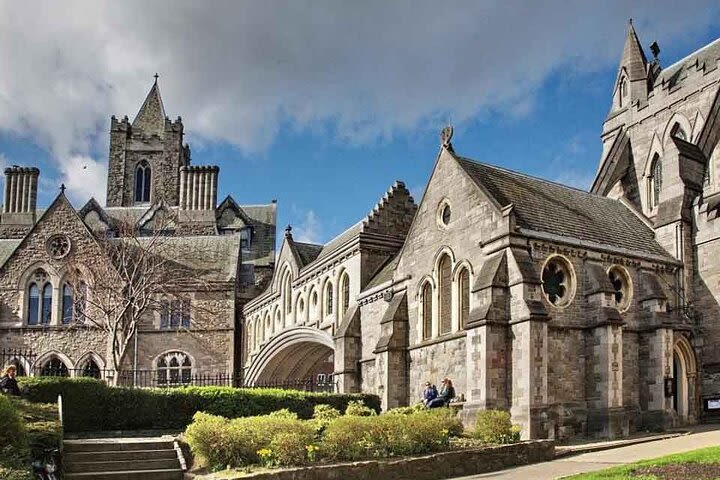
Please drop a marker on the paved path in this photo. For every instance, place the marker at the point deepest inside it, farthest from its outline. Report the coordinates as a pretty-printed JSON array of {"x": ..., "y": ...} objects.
[{"x": 589, "y": 462}]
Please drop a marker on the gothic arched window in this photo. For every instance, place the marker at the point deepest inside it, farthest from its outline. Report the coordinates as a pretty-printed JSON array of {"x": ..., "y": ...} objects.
[
  {"x": 427, "y": 310},
  {"x": 329, "y": 299},
  {"x": 655, "y": 181},
  {"x": 444, "y": 297},
  {"x": 91, "y": 369},
  {"x": 143, "y": 179},
  {"x": 54, "y": 368},
  {"x": 173, "y": 369},
  {"x": 345, "y": 291},
  {"x": 33, "y": 304},
  {"x": 46, "y": 309},
  {"x": 68, "y": 307},
  {"x": 464, "y": 297}
]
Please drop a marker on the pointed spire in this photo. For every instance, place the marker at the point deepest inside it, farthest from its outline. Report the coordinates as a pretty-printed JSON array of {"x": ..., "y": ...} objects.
[
  {"x": 633, "y": 57},
  {"x": 151, "y": 117}
]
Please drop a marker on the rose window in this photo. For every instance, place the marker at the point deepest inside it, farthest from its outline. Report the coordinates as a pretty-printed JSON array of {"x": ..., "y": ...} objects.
[{"x": 58, "y": 246}]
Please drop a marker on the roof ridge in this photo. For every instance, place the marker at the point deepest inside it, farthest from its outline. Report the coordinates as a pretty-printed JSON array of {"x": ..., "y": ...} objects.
[
  {"x": 531, "y": 177},
  {"x": 687, "y": 57}
]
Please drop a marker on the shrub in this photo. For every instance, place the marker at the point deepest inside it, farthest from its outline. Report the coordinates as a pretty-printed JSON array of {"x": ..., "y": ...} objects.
[
  {"x": 291, "y": 448},
  {"x": 284, "y": 413},
  {"x": 245, "y": 441},
  {"x": 418, "y": 407},
  {"x": 13, "y": 429},
  {"x": 90, "y": 405},
  {"x": 494, "y": 426},
  {"x": 325, "y": 412},
  {"x": 357, "y": 408},
  {"x": 355, "y": 437}
]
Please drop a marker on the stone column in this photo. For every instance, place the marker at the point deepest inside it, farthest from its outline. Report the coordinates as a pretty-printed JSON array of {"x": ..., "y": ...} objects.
[{"x": 183, "y": 189}]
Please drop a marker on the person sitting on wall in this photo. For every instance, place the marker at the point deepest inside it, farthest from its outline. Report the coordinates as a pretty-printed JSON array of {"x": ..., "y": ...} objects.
[
  {"x": 8, "y": 383},
  {"x": 430, "y": 393},
  {"x": 447, "y": 393}
]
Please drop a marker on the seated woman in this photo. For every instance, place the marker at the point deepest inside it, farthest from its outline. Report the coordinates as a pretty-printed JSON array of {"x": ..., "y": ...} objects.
[{"x": 447, "y": 393}]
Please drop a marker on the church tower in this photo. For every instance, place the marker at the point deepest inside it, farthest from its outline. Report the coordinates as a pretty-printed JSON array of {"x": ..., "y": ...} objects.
[{"x": 146, "y": 156}]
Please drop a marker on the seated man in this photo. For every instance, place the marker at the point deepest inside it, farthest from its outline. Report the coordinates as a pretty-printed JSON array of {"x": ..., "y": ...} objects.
[
  {"x": 429, "y": 394},
  {"x": 447, "y": 393}
]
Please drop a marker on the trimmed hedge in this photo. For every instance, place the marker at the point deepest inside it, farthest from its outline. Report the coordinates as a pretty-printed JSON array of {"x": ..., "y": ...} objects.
[{"x": 90, "y": 405}]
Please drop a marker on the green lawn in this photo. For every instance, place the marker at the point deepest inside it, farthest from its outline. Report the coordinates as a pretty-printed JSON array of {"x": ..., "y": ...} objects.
[{"x": 689, "y": 465}]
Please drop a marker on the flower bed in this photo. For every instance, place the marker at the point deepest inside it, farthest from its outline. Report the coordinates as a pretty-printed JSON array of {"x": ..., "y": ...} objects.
[{"x": 282, "y": 440}]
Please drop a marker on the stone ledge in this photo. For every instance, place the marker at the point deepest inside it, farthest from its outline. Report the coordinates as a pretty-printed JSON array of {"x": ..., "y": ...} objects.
[{"x": 457, "y": 463}]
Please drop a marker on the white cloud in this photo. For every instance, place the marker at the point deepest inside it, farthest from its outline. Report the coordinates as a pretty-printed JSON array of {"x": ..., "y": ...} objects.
[
  {"x": 238, "y": 72},
  {"x": 309, "y": 231}
]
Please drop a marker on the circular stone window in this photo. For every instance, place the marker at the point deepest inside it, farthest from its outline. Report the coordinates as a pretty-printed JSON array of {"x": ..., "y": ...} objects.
[
  {"x": 558, "y": 281},
  {"x": 444, "y": 214},
  {"x": 622, "y": 285},
  {"x": 58, "y": 246}
]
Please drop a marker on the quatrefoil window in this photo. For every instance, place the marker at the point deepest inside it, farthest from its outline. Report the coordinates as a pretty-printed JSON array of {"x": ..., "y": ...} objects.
[
  {"x": 558, "y": 281},
  {"x": 58, "y": 246}
]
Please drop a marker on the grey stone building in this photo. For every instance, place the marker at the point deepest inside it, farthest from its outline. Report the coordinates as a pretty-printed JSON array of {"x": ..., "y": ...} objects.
[
  {"x": 582, "y": 313},
  {"x": 227, "y": 249}
]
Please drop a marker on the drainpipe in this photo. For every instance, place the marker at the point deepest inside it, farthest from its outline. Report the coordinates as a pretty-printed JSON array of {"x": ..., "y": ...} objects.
[{"x": 135, "y": 358}]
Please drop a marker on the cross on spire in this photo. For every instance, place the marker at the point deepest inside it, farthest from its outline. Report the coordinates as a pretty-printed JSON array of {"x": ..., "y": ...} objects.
[{"x": 156, "y": 77}]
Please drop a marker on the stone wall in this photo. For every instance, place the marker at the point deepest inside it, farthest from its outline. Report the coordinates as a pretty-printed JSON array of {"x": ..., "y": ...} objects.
[{"x": 430, "y": 467}]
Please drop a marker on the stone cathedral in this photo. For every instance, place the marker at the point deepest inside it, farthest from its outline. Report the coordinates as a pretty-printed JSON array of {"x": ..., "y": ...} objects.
[
  {"x": 589, "y": 314},
  {"x": 584, "y": 314}
]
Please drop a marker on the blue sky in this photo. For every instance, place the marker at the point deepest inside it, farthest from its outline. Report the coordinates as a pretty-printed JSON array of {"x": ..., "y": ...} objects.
[{"x": 323, "y": 108}]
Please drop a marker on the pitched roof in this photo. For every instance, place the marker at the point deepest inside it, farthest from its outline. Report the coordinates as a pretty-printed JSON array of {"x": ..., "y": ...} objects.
[
  {"x": 151, "y": 117},
  {"x": 544, "y": 206},
  {"x": 385, "y": 274},
  {"x": 307, "y": 252},
  {"x": 707, "y": 56},
  {"x": 7, "y": 247},
  {"x": 214, "y": 257}
]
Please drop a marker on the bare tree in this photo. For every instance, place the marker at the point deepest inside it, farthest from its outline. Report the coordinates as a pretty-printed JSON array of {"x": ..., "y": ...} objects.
[{"x": 143, "y": 272}]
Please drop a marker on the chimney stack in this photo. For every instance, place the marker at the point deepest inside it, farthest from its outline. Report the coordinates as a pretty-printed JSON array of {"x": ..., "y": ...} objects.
[
  {"x": 20, "y": 196},
  {"x": 198, "y": 187}
]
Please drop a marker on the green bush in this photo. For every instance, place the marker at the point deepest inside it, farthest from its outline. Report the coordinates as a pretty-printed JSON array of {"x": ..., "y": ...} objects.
[
  {"x": 90, "y": 405},
  {"x": 13, "y": 429},
  {"x": 280, "y": 440},
  {"x": 325, "y": 412},
  {"x": 494, "y": 426},
  {"x": 357, "y": 408},
  {"x": 240, "y": 441},
  {"x": 354, "y": 437}
]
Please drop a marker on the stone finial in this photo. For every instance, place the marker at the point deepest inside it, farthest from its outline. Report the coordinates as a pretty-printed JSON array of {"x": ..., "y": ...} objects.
[
  {"x": 288, "y": 232},
  {"x": 445, "y": 137},
  {"x": 62, "y": 188},
  {"x": 156, "y": 77}
]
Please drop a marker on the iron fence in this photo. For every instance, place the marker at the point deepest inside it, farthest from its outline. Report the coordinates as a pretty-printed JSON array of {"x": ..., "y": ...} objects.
[{"x": 25, "y": 361}]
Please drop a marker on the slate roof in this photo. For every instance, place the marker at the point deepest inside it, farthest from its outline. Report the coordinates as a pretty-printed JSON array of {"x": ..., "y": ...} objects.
[
  {"x": 675, "y": 73},
  {"x": 7, "y": 247},
  {"x": 548, "y": 207},
  {"x": 215, "y": 257},
  {"x": 307, "y": 252},
  {"x": 385, "y": 274}
]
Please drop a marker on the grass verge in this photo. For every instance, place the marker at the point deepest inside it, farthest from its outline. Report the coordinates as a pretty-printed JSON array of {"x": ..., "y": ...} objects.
[{"x": 703, "y": 464}]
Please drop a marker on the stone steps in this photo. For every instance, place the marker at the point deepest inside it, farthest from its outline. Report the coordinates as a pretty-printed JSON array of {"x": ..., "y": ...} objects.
[{"x": 121, "y": 459}]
